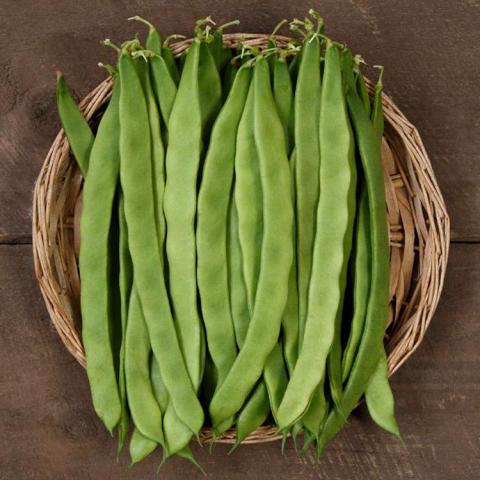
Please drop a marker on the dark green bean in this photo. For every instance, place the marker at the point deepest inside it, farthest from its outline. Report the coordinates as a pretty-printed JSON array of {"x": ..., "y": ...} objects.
[
  {"x": 169, "y": 59},
  {"x": 229, "y": 74},
  {"x": 125, "y": 283},
  {"x": 363, "y": 91},
  {"x": 77, "y": 130},
  {"x": 361, "y": 283},
  {"x": 378, "y": 394}
]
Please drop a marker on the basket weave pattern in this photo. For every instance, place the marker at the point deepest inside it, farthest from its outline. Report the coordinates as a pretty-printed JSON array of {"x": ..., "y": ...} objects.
[{"x": 419, "y": 230}]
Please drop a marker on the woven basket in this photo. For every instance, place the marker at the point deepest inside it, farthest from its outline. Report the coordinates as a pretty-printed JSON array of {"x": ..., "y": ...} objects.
[{"x": 418, "y": 221}]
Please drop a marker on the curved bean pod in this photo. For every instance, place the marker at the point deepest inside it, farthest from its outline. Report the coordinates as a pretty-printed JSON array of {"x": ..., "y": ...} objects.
[
  {"x": 276, "y": 256},
  {"x": 283, "y": 95},
  {"x": 361, "y": 283},
  {"x": 326, "y": 287},
  {"x": 248, "y": 199},
  {"x": 307, "y": 168},
  {"x": 379, "y": 398},
  {"x": 378, "y": 395},
  {"x": 371, "y": 344},
  {"x": 77, "y": 130},
  {"x": 144, "y": 408},
  {"x": 196, "y": 103},
  {"x": 290, "y": 315},
  {"x": 213, "y": 205},
  {"x": 163, "y": 85},
  {"x": 135, "y": 172},
  {"x": 253, "y": 414},
  {"x": 125, "y": 284}
]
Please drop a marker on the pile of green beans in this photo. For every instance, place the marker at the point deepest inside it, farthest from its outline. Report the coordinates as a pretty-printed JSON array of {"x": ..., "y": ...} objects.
[{"x": 234, "y": 258}]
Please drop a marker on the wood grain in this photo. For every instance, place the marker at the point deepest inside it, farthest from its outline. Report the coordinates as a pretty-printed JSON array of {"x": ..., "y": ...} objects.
[
  {"x": 427, "y": 49},
  {"x": 49, "y": 430}
]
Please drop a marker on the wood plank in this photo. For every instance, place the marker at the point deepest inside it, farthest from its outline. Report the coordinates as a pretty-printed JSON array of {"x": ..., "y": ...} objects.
[
  {"x": 426, "y": 47},
  {"x": 49, "y": 430}
]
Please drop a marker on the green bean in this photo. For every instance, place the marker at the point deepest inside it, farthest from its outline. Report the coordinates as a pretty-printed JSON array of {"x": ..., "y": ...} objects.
[
  {"x": 135, "y": 172},
  {"x": 229, "y": 74},
  {"x": 290, "y": 315},
  {"x": 326, "y": 287},
  {"x": 253, "y": 414},
  {"x": 144, "y": 408},
  {"x": 361, "y": 284},
  {"x": 377, "y": 112},
  {"x": 257, "y": 408},
  {"x": 276, "y": 255},
  {"x": 139, "y": 378},
  {"x": 276, "y": 379},
  {"x": 335, "y": 355},
  {"x": 140, "y": 446},
  {"x": 283, "y": 95},
  {"x": 363, "y": 92},
  {"x": 379, "y": 398},
  {"x": 213, "y": 205},
  {"x": 236, "y": 281},
  {"x": 169, "y": 59},
  {"x": 220, "y": 53},
  {"x": 98, "y": 197},
  {"x": 248, "y": 199},
  {"x": 177, "y": 434},
  {"x": 125, "y": 284},
  {"x": 154, "y": 40},
  {"x": 371, "y": 343},
  {"x": 307, "y": 168},
  {"x": 77, "y": 130},
  {"x": 378, "y": 394},
  {"x": 317, "y": 411},
  {"x": 163, "y": 85},
  {"x": 195, "y": 105}
]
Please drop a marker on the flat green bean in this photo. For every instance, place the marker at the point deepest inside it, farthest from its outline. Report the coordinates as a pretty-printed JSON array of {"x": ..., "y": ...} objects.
[
  {"x": 135, "y": 172},
  {"x": 248, "y": 199},
  {"x": 195, "y": 105},
  {"x": 212, "y": 212},
  {"x": 333, "y": 214},
  {"x": 371, "y": 344},
  {"x": 144, "y": 408},
  {"x": 361, "y": 284},
  {"x": 283, "y": 95},
  {"x": 77, "y": 130},
  {"x": 276, "y": 255},
  {"x": 125, "y": 283},
  {"x": 307, "y": 168}
]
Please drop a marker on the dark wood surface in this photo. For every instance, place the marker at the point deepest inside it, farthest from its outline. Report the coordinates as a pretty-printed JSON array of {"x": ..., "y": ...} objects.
[{"x": 430, "y": 50}]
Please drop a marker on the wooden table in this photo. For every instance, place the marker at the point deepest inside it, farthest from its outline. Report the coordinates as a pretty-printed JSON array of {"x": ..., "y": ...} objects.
[{"x": 430, "y": 52}]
